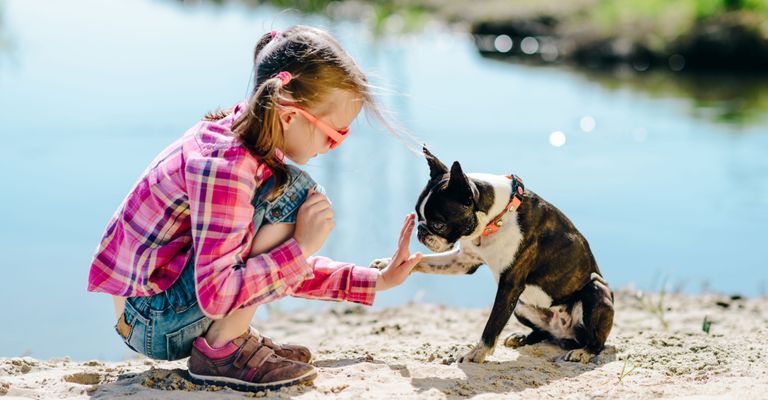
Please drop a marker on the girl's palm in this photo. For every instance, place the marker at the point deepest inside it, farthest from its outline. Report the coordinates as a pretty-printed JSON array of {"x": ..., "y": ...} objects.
[{"x": 402, "y": 261}]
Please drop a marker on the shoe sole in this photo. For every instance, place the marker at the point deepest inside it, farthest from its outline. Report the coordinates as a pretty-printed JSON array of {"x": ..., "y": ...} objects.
[{"x": 244, "y": 386}]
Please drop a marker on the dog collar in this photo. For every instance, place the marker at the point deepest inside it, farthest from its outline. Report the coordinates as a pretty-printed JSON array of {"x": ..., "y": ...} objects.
[{"x": 514, "y": 202}]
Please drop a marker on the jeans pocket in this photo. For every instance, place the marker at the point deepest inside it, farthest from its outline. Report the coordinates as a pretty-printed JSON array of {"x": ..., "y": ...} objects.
[
  {"x": 132, "y": 328},
  {"x": 179, "y": 342}
]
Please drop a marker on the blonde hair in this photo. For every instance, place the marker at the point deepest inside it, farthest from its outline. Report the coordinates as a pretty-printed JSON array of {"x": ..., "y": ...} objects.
[{"x": 318, "y": 65}]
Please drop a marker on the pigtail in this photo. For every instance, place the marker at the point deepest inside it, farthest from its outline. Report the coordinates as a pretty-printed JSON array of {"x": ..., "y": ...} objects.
[{"x": 259, "y": 130}]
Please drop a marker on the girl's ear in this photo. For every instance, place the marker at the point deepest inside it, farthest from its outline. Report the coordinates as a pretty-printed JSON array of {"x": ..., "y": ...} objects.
[{"x": 287, "y": 116}]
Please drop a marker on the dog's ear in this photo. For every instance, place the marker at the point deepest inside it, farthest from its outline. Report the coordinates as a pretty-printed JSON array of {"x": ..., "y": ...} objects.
[
  {"x": 459, "y": 185},
  {"x": 436, "y": 168}
]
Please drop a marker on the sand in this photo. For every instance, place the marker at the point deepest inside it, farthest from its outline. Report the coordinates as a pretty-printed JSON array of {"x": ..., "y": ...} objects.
[{"x": 657, "y": 349}]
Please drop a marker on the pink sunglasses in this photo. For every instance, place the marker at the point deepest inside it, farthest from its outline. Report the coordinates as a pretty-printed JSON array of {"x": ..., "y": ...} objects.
[{"x": 334, "y": 136}]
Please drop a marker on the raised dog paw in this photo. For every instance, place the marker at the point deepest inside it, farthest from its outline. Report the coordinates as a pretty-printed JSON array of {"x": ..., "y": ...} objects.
[
  {"x": 579, "y": 355},
  {"x": 476, "y": 355},
  {"x": 380, "y": 263},
  {"x": 515, "y": 340}
]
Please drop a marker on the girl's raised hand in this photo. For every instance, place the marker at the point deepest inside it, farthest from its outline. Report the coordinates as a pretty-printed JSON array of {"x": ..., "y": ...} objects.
[
  {"x": 402, "y": 262},
  {"x": 314, "y": 222}
]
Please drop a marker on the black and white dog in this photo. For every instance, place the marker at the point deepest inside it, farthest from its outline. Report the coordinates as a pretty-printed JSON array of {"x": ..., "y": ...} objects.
[{"x": 544, "y": 268}]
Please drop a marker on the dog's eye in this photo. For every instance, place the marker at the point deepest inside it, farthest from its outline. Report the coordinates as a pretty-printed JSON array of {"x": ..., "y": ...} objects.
[{"x": 437, "y": 226}]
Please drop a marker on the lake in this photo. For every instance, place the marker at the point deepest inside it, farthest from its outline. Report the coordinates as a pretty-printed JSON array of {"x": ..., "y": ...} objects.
[{"x": 665, "y": 173}]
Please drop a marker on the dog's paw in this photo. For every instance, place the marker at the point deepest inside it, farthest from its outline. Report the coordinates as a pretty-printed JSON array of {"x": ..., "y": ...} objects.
[
  {"x": 515, "y": 340},
  {"x": 380, "y": 263},
  {"x": 579, "y": 355},
  {"x": 476, "y": 355}
]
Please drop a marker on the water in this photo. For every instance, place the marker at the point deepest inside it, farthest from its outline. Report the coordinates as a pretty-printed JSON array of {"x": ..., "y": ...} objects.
[{"x": 671, "y": 185}]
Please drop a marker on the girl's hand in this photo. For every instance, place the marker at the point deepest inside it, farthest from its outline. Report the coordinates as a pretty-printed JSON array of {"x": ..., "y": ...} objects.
[
  {"x": 402, "y": 262},
  {"x": 314, "y": 222}
]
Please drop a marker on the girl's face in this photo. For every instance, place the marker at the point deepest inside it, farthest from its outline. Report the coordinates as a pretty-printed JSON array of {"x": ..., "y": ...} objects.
[{"x": 302, "y": 139}]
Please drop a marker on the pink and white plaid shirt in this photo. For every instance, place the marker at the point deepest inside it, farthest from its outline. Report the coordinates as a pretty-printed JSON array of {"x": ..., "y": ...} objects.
[{"x": 196, "y": 196}]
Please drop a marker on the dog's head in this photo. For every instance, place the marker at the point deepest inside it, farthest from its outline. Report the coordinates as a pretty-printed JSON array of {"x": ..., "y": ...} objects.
[{"x": 446, "y": 208}]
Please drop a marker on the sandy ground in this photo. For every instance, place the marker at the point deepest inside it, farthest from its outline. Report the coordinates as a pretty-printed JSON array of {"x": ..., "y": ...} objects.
[{"x": 657, "y": 349}]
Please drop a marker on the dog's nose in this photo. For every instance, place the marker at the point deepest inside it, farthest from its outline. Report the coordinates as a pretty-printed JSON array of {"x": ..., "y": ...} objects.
[{"x": 420, "y": 233}]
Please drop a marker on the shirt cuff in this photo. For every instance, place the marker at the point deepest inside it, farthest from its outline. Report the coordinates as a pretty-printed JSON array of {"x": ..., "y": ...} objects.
[
  {"x": 293, "y": 265},
  {"x": 362, "y": 285}
]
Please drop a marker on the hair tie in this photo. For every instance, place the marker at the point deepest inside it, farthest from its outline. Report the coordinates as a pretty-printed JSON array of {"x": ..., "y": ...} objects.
[
  {"x": 273, "y": 34},
  {"x": 285, "y": 77}
]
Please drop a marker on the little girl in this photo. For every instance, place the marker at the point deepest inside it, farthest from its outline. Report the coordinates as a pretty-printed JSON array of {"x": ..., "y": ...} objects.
[{"x": 219, "y": 224}]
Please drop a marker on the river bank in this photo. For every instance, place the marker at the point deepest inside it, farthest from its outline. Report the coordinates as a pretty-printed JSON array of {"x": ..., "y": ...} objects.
[
  {"x": 658, "y": 349},
  {"x": 715, "y": 35}
]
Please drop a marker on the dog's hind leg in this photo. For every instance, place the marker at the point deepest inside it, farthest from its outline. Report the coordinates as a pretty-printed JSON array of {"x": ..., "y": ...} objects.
[
  {"x": 537, "y": 334},
  {"x": 597, "y": 320},
  {"x": 516, "y": 340}
]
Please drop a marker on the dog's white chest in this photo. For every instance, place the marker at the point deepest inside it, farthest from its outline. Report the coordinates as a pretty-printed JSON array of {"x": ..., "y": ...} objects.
[{"x": 498, "y": 250}]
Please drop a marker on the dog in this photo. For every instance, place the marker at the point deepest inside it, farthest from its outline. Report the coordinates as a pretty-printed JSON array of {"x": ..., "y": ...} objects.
[{"x": 545, "y": 270}]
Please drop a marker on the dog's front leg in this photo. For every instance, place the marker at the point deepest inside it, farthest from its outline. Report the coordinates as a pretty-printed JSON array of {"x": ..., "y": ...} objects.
[
  {"x": 453, "y": 262},
  {"x": 506, "y": 299}
]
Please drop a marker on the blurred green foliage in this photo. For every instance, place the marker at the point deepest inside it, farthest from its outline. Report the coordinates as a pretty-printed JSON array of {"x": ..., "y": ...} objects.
[
  {"x": 660, "y": 21},
  {"x": 383, "y": 16},
  {"x": 307, "y": 6}
]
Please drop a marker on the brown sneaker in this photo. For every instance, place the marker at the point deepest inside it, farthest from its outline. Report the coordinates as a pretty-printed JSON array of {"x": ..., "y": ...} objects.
[
  {"x": 293, "y": 352},
  {"x": 245, "y": 364}
]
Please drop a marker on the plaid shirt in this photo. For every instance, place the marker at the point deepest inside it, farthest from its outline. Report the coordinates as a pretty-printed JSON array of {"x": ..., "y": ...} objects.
[{"x": 196, "y": 196}]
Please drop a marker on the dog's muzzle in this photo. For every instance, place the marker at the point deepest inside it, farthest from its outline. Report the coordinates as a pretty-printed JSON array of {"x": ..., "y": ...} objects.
[{"x": 433, "y": 242}]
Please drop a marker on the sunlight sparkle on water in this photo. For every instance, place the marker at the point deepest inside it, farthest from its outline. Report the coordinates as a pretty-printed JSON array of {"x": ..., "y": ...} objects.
[
  {"x": 503, "y": 43},
  {"x": 529, "y": 45},
  {"x": 557, "y": 138},
  {"x": 587, "y": 124}
]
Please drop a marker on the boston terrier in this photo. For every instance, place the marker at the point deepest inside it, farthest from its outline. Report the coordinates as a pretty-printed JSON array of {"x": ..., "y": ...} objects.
[{"x": 546, "y": 273}]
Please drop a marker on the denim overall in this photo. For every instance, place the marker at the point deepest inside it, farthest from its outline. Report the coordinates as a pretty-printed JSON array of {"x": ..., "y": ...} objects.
[{"x": 164, "y": 326}]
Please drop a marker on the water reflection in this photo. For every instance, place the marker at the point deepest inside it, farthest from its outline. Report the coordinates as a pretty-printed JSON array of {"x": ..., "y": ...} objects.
[
  {"x": 738, "y": 99},
  {"x": 731, "y": 99}
]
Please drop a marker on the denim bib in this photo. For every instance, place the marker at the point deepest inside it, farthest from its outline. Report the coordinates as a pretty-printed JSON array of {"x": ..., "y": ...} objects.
[{"x": 282, "y": 209}]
